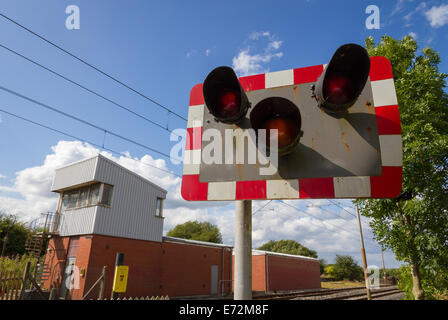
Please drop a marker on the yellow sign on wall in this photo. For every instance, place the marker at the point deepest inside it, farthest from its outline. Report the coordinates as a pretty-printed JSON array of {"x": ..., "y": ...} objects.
[{"x": 120, "y": 278}]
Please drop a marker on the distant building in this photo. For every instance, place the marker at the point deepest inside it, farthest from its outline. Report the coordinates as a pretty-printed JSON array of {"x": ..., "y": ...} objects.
[{"x": 105, "y": 209}]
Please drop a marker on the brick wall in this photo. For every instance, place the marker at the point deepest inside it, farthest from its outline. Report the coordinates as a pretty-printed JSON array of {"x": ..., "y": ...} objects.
[
  {"x": 288, "y": 273},
  {"x": 155, "y": 268}
]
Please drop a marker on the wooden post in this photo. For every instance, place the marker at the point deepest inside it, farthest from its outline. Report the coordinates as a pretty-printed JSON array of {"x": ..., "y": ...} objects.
[
  {"x": 102, "y": 284},
  {"x": 24, "y": 279},
  {"x": 363, "y": 253},
  {"x": 53, "y": 293}
]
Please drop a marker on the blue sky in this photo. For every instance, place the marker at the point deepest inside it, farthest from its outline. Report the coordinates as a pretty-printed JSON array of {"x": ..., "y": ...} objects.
[{"x": 162, "y": 49}]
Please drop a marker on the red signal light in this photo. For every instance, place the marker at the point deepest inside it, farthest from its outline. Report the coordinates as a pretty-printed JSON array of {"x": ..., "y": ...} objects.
[
  {"x": 287, "y": 130},
  {"x": 229, "y": 103},
  {"x": 338, "y": 89},
  {"x": 281, "y": 114},
  {"x": 224, "y": 97},
  {"x": 343, "y": 79}
]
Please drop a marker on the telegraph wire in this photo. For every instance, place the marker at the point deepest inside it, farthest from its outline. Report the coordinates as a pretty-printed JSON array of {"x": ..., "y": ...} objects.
[
  {"x": 334, "y": 213},
  {"x": 91, "y": 66},
  {"x": 82, "y": 121},
  {"x": 316, "y": 217},
  {"x": 350, "y": 213},
  {"x": 87, "y": 141},
  {"x": 85, "y": 88},
  {"x": 262, "y": 207},
  {"x": 338, "y": 204},
  {"x": 321, "y": 207}
]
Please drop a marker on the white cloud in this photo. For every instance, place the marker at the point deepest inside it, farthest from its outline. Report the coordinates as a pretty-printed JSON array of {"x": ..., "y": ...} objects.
[
  {"x": 247, "y": 63},
  {"x": 413, "y": 35},
  {"x": 191, "y": 53},
  {"x": 32, "y": 185},
  {"x": 2, "y": 176},
  {"x": 208, "y": 52},
  {"x": 437, "y": 16}
]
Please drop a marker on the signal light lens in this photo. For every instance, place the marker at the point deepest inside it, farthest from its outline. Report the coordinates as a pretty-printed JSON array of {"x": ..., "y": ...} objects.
[
  {"x": 287, "y": 130},
  {"x": 343, "y": 79},
  {"x": 224, "y": 97},
  {"x": 338, "y": 89},
  {"x": 281, "y": 114},
  {"x": 229, "y": 103}
]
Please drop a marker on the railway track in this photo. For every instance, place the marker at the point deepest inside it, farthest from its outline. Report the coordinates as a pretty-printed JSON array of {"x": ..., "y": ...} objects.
[{"x": 353, "y": 293}]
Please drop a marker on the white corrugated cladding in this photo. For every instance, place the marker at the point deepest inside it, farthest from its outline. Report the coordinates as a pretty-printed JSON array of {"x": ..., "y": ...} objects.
[
  {"x": 74, "y": 174},
  {"x": 133, "y": 207},
  {"x": 77, "y": 221}
]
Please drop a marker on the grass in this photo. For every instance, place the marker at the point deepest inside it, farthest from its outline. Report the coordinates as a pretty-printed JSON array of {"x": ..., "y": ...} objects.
[{"x": 16, "y": 264}]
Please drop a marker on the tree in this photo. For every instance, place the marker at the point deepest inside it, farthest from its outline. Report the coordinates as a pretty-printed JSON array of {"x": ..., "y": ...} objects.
[
  {"x": 289, "y": 247},
  {"x": 13, "y": 235},
  {"x": 345, "y": 268},
  {"x": 323, "y": 265},
  {"x": 415, "y": 224},
  {"x": 194, "y": 230}
]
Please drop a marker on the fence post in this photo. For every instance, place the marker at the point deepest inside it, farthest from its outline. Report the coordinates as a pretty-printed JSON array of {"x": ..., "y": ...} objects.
[
  {"x": 24, "y": 279},
  {"x": 102, "y": 284},
  {"x": 53, "y": 293}
]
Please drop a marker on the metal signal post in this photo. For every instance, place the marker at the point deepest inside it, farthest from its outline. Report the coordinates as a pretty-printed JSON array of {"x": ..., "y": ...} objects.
[{"x": 243, "y": 250}]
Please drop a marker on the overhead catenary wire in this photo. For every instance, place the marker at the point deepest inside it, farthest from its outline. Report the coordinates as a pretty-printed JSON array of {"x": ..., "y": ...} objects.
[
  {"x": 83, "y": 121},
  {"x": 329, "y": 211},
  {"x": 86, "y": 141},
  {"x": 263, "y": 206},
  {"x": 297, "y": 209},
  {"x": 92, "y": 66},
  {"x": 339, "y": 205},
  {"x": 85, "y": 88}
]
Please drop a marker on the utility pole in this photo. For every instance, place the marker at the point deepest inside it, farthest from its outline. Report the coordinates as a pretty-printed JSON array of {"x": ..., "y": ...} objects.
[
  {"x": 243, "y": 250},
  {"x": 384, "y": 268},
  {"x": 363, "y": 253}
]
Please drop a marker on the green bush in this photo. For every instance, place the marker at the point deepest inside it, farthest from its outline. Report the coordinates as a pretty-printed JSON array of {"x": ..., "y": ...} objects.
[
  {"x": 345, "y": 268},
  {"x": 17, "y": 263},
  {"x": 434, "y": 284}
]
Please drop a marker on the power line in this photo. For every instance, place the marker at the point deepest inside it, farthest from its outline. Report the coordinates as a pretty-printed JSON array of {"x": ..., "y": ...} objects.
[
  {"x": 350, "y": 213},
  {"x": 91, "y": 66},
  {"x": 85, "y": 88},
  {"x": 321, "y": 207},
  {"x": 84, "y": 140},
  {"x": 315, "y": 217},
  {"x": 334, "y": 213},
  {"x": 82, "y": 121},
  {"x": 261, "y": 207},
  {"x": 337, "y": 204}
]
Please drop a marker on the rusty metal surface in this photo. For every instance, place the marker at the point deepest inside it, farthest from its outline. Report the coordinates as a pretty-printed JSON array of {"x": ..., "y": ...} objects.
[{"x": 330, "y": 146}]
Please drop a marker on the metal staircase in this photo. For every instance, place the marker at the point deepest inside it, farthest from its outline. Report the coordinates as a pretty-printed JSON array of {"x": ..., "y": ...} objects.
[
  {"x": 40, "y": 229},
  {"x": 35, "y": 244}
]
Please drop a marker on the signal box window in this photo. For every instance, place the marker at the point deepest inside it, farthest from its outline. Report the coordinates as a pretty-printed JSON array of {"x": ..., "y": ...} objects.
[
  {"x": 159, "y": 207},
  {"x": 95, "y": 194},
  {"x": 106, "y": 197}
]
